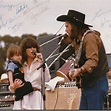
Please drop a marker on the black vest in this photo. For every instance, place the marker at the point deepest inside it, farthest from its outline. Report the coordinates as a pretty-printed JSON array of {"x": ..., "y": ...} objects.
[
  {"x": 89, "y": 79},
  {"x": 17, "y": 72}
]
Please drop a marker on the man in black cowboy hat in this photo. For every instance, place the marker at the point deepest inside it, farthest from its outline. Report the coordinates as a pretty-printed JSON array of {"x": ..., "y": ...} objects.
[{"x": 90, "y": 57}]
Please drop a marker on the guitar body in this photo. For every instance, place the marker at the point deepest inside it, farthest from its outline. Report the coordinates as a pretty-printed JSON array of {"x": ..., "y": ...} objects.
[{"x": 64, "y": 70}]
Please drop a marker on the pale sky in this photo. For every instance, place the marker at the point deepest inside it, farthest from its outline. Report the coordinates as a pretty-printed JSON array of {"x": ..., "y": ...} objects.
[{"x": 19, "y": 17}]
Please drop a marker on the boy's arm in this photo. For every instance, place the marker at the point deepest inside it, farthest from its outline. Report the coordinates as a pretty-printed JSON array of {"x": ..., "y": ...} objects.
[{"x": 10, "y": 75}]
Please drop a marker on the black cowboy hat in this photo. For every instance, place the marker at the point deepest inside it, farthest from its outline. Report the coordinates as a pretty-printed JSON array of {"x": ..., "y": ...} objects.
[{"x": 73, "y": 16}]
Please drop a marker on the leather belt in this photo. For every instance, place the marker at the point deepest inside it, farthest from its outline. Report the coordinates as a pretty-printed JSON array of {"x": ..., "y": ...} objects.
[{"x": 36, "y": 89}]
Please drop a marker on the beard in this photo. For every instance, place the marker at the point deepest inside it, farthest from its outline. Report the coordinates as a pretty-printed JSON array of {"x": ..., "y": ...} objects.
[
  {"x": 74, "y": 34},
  {"x": 72, "y": 37}
]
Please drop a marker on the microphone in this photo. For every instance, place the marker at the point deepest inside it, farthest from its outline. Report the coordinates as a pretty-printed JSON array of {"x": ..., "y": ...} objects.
[
  {"x": 34, "y": 52},
  {"x": 63, "y": 37},
  {"x": 37, "y": 56}
]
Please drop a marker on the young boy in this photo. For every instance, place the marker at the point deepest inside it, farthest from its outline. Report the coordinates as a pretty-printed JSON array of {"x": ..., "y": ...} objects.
[{"x": 15, "y": 71}]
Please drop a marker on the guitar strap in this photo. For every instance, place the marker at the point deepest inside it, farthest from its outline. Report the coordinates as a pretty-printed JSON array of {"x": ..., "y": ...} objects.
[
  {"x": 77, "y": 58},
  {"x": 78, "y": 55}
]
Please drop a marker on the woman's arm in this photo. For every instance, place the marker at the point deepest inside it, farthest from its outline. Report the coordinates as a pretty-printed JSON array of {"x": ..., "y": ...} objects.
[{"x": 17, "y": 84}]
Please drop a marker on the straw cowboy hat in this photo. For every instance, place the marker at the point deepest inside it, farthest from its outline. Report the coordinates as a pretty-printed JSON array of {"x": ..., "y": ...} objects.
[
  {"x": 73, "y": 15},
  {"x": 4, "y": 77}
]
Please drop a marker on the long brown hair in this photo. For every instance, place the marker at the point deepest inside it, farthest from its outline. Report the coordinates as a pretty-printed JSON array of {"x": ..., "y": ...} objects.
[
  {"x": 28, "y": 42},
  {"x": 80, "y": 28}
]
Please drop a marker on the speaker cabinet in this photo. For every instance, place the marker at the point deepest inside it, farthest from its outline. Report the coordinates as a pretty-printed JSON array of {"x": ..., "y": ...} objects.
[{"x": 64, "y": 98}]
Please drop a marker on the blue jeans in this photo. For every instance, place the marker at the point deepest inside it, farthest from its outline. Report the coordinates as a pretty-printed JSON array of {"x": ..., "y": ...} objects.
[{"x": 93, "y": 98}]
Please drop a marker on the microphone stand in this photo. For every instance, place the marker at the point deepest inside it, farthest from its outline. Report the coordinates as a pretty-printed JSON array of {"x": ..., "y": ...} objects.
[
  {"x": 60, "y": 55},
  {"x": 55, "y": 37},
  {"x": 48, "y": 57},
  {"x": 43, "y": 76},
  {"x": 43, "y": 66},
  {"x": 55, "y": 55}
]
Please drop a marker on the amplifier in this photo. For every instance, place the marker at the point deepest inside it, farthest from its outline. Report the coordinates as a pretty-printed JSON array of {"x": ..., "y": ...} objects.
[
  {"x": 6, "y": 97},
  {"x": 64, "y": 97}
]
